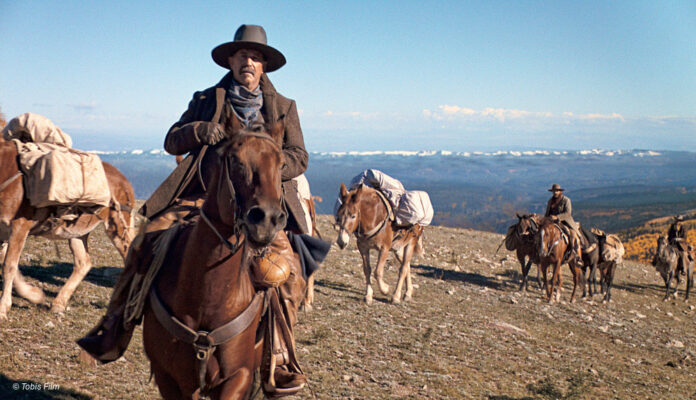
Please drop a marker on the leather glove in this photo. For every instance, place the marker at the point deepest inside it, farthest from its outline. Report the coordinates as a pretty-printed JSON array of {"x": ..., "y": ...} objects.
[{"x": 210, "y": 133}]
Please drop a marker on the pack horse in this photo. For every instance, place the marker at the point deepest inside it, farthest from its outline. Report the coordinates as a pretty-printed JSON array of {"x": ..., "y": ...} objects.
[{"x": 19, "y": 219}]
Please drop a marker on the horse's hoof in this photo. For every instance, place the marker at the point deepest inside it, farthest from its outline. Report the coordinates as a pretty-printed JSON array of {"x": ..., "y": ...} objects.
[
  {"x": 306, "y": 308},
  {"x": 385, "y": 289},
  {"x": 58, "y": 308},
  {"x": 368, "y": 300},
  {"x": 3, "y": 316},
  {"x": 408, "y": 297},
  {"x": 396, "y": 300}
]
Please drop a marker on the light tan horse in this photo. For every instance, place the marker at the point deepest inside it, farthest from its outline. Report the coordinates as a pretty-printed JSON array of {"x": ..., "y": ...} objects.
[
  {"x": 366, "y": 214},
  {"x": 18, "y": 220}
]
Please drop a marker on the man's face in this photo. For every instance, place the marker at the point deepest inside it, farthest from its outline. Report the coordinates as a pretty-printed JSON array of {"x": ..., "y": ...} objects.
[
  {"x": 557, "y": 193},
  {"x": 247, "y": 66}
]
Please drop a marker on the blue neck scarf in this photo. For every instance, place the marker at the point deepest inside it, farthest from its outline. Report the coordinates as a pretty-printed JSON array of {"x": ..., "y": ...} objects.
[{"x": 246, "y": 104}]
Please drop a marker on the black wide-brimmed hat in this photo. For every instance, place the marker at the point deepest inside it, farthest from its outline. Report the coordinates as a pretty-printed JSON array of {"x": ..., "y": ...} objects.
[
  {"x": 679, "y": 218},
  {"x": 555, "y": 187},
  {"x": 249, "y": 37}
]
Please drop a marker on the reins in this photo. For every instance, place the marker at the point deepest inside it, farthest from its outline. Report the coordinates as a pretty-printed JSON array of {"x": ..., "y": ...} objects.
[{"x": 9, "y": 181}]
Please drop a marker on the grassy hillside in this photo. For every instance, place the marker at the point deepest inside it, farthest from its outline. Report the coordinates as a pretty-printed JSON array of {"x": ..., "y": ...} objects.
[{"x": 467, "y": 333}]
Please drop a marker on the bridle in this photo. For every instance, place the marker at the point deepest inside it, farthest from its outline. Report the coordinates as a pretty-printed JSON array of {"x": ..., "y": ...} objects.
[
  {"x": 374, "y": 231},
  {"x": 225, "y": 179}
]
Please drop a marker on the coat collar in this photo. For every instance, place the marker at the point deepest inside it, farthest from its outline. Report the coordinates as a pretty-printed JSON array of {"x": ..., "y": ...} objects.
[{"x": 267, "y": 89}]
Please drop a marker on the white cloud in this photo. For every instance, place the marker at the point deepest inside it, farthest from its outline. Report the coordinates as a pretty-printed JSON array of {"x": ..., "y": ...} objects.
[{"x": 503, "y": 115}]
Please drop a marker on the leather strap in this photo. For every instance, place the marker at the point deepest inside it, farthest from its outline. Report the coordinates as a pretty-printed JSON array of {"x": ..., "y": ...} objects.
[
  {"x": 9, "y": 181},
  {"x": 205, "y": 342}
]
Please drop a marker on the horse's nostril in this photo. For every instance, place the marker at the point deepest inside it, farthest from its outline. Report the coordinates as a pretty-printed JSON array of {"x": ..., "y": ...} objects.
[
  {"x": 255, "y": 216},
  {"x": 279, "y": 219}
]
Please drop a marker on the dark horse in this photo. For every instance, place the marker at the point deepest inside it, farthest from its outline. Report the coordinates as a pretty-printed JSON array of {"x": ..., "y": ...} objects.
[
  {"x": 206, "y": 280},
  {"x": 554, "y": 250},
  {"x": 520, "y": 238},
  {"x": 666, "y": 261},
  {"x": 366, "y": 213},
  {"x": 19, "y": 219}
]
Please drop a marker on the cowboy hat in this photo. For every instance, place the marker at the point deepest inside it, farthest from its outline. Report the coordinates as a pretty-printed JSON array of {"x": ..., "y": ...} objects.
[
  {"x": 555, "y": 187},
  {"x": 679, "y": 218},
  {"x": 249, "y": 37}
]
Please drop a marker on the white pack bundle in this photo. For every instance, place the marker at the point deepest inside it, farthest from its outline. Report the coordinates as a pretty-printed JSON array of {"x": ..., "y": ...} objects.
[
  {"x": 390, "y": 187},
  {"x": 30, "y": 127},
  {"x": 415, "y": 208}
]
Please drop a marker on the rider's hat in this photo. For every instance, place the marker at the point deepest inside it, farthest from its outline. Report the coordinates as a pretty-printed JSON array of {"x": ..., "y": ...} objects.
[
  {"x": 679, "y": 218},
  {"x": 249, "y": 37},
  {"x": 555, "y": 187}
]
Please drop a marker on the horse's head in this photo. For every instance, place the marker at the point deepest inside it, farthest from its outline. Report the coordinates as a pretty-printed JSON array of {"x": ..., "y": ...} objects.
[
  {"x": 247, "y": 186},
  {"x": 348, "y": 215},
  {"x": 527, "y": 225},
  {"x": 548, "y": 238}
]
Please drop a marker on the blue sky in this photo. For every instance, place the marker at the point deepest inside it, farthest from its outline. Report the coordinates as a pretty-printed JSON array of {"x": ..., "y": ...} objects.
[{"x": 399, "y": 75}]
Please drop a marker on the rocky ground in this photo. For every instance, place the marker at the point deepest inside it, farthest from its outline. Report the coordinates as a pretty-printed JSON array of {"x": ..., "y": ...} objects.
[{"x": 467, "y": 333}]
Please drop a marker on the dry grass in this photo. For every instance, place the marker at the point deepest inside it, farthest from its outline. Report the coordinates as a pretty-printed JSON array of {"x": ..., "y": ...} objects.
[{"x": 467, "y": 333}]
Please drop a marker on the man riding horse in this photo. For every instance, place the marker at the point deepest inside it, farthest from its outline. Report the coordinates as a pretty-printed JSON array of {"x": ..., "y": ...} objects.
[
  {"x": 559, "y": 208},
  {"x": 246, "y": 94},
  {"x": 676, "y": 236}
]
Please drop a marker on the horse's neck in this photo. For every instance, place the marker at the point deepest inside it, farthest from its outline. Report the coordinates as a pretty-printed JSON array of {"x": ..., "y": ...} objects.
[{"x": 214, "y": 283}]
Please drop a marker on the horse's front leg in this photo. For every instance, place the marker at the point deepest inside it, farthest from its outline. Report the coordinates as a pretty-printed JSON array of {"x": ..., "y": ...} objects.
[
  {"x": 544, "y": 269},
  {"x": 365, "y": 254},
  {"x": 82, "y": 265},
  {"x": 525, "y": 270},
  {"x": 238, "y": 386},
  {"x": 611, "y": 268},
  {"x": 309, "y": 295},
  {"x": 19, "y": 230},
  {"x": 557, "y": 282},
  {"x": 668, "y": 281},
  {"x": 404, "y": 271},
  {"x": 379, "y": 269}
]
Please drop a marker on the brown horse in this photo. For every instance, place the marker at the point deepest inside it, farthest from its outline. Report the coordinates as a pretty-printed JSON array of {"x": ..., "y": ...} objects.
[
  {"x": 18, "y": 219},
  {"x": 365, "y": 213},
  {"x": 553, "y": 247},
  {"x": 206, "y": 281},
  {"x": 521, "y": 239}
]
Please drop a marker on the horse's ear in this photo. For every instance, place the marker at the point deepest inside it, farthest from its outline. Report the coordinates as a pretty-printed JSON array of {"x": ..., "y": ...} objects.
[
  {"x": 277, "y": 131},
  {"x": 344, "y": 191},
  {"x": 360, "y": 188},
  {"x": 518, "y": 215},
  {"x": 234, "y": 126}
]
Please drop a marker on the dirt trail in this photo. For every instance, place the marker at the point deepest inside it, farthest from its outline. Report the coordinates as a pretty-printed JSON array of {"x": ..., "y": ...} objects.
[{"x": 467, "y": 333}]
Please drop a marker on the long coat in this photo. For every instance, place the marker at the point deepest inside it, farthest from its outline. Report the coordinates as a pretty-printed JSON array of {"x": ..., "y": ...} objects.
[
  {"x": 211, "y": 105},
  {"x": 563, "y": 211}
]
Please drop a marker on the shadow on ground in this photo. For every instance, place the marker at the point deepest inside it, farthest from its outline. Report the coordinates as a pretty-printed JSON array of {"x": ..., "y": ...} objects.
[
  {"x": 56, "y": 273},
  {"x": 428, "y": 271}
]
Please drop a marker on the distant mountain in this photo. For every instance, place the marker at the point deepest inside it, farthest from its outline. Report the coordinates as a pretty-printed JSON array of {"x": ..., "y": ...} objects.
[{"x": 610, "y": 189}]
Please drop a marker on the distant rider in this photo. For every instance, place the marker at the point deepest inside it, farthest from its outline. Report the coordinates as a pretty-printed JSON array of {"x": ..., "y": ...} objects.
[
  {"x": 559, "y": 208},
  {"x": 676, "y": 236}
]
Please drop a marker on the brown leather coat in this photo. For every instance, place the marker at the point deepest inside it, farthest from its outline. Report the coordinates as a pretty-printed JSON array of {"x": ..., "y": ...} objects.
[
  {"x": 563, "y": 210},
  {"x": 210, "y": 105}
]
